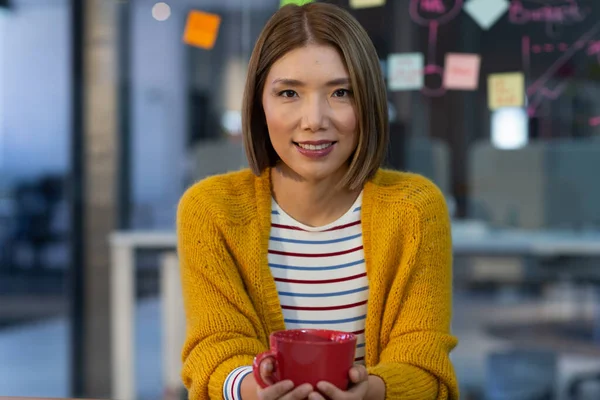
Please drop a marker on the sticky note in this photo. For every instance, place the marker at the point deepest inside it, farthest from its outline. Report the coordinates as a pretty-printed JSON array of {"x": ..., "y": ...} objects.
[
  {"x": 486, "y": 12},
  {"x": 506, "y": 90},
  {"x": 405, "y": 71},
  {"x": 461, "y": 71},
  {"x": 296, "y": 2},
  {"x": 201, "y": 29},
  {"x": 366, "y": 3}
]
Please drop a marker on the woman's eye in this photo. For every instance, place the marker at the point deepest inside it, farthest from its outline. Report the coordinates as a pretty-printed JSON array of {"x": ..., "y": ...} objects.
[
  {"x": 288, "y": 93},
  {"x": 342, "y": 93}
]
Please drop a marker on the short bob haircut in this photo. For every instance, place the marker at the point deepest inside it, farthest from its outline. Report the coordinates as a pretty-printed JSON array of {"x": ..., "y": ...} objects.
[{"x": 295, "y": 26}]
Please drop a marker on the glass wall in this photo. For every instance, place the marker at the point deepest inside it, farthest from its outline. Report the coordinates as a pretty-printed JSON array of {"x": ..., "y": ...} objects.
[
  {"x": 184, "y": 95},
  {"x": 35, "y": 104}
]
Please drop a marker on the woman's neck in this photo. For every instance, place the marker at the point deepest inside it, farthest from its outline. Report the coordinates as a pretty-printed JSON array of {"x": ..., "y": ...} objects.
[{"x": 313, "y": 203}]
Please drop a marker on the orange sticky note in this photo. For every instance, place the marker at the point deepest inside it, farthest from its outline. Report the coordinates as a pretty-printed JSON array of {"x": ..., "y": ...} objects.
[
  {"x": 506, "y": 90},
  {"x": 201, "y": 29}
]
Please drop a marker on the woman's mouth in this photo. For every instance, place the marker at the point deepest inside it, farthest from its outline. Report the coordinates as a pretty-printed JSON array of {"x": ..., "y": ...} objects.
[
  {"x": 320, "y": 146},
  {"x": 315, "y": 149}
]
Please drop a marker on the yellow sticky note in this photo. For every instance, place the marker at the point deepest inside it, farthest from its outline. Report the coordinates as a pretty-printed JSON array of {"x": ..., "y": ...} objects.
[
  {"x": 296, "y": 2},
  {"x": 366, "y": 3},
  {"x": 506, "y": 90},
  {"x": 201, "y": 29}
]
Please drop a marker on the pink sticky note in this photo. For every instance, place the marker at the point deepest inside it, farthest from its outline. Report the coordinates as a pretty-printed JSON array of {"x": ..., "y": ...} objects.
[{"x": 461, "y": 71}]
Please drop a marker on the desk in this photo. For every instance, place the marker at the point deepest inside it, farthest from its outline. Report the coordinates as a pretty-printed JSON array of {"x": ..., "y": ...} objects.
[
  {"x": 517, "y": 242},
  {"x": 468, "y": 240},
  {"x": 123, "y": 246}
]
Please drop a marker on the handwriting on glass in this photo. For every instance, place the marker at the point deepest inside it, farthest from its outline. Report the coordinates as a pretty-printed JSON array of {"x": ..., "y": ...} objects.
[
  {"x": 592, "y": 47},
  {"x": 503, "y": 95},
  {"x": 538, "y": 90},
  {"x": 427, "y": 12},
  {"x": 433, "y": 13},
  {"x": 433, "y": 6},
  {"x": 567, "y": 13}
]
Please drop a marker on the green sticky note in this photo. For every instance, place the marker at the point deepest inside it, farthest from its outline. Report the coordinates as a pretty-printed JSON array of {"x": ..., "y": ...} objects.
[{"x": 296, "y": 2}]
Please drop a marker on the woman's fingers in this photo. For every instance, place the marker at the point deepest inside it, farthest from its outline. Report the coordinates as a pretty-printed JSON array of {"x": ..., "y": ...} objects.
[
  {"x": 276, "y": 390},
  {"x": 315, "y": 396},
  {"x": 285, "y": 390},
  {"x": 266, "y": 370},
  {"x": 299, "y": 393},
  {"x": 358, "y": 373}
]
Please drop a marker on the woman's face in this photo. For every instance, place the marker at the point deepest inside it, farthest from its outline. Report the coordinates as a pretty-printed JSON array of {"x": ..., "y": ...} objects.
[{"x": 310, "y": 112}]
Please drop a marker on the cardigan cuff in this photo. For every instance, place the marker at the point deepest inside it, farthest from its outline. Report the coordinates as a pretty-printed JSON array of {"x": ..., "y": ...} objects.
[{"x": 217, "y": 378}]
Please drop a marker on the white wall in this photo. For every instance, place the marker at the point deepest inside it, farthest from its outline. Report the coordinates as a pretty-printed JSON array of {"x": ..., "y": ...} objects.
[{"x": 34, "y": 89}]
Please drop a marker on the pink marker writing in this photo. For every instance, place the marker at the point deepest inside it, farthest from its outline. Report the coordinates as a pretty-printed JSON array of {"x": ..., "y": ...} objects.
[
  {"x": 569, "y": 13},
  {"x": 433, "y": 13},
  {"x": 593, "y": 48},
  {"x": 433, "y": 6}
]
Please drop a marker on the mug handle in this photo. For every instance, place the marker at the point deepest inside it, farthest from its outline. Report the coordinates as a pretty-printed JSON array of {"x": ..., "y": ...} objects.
[{"x": 256, "y": 366}]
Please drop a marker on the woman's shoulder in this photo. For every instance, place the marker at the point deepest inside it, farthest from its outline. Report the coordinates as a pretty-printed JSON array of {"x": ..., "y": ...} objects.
[
  {"x": 407, "y": 188},
  {"x": 219, "y": 195},
  {"x": 225, "y": 184}
]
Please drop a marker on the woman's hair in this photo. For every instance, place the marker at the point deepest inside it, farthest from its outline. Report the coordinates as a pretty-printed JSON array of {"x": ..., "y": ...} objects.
[{"x": 292, "y": 27}]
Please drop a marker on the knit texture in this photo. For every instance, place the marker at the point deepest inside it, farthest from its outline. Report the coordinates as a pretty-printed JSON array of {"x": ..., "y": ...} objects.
[{"x": 231, "y": 300}]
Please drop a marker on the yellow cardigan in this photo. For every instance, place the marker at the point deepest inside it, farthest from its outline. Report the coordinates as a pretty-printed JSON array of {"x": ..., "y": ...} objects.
[{"x": 232, "y": 305}]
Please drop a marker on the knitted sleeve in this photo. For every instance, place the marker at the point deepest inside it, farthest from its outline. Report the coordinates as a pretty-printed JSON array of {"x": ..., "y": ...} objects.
[
  {"x": 414, "y": 362},
  {"x": 222, "y": 323}
]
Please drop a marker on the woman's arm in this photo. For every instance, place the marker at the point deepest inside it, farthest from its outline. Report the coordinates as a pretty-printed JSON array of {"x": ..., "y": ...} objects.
[
  {"x": 414, "y": 362},
  {"x": 223, "y": 328}
]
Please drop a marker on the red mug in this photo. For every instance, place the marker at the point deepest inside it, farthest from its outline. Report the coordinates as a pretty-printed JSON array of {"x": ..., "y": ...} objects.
[{"x": 309, "y": 356}]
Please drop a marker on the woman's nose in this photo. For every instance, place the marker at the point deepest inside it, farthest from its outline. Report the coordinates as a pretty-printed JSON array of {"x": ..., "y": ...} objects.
[{"x": 314, "y": 114}]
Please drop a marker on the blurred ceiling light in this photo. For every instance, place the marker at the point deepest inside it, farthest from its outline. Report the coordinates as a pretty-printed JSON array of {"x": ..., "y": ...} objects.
[
  {"x": 510, "y": 128},
  {"x": 231, "y": 121},
  {"x": 161, "y": 11}
]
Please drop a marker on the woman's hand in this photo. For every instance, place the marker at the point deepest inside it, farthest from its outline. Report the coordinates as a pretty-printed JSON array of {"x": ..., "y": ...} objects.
[
  {"x": 283, "y": 390},
  {"x": 359, "y": 386}
]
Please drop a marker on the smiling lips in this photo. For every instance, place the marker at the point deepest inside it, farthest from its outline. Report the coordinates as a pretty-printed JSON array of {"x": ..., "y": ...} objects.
[{"x": 315, "y": 149}]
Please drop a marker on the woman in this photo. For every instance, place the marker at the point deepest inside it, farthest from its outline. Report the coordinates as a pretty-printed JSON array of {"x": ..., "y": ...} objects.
[{"x": 315, "y": 234}]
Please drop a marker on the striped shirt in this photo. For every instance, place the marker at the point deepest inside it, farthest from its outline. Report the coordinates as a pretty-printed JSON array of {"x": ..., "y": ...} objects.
[{"x": 320, "y": 276}]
